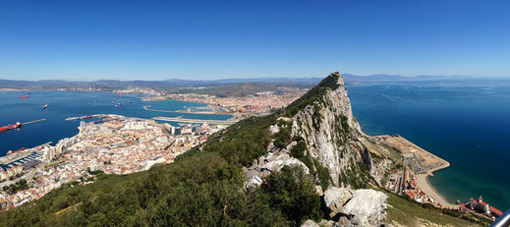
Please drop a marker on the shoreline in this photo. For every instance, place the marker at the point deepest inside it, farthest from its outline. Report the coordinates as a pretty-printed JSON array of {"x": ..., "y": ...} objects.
[
  {"x": 429, "y": 164},
  {"x": 422, "y": 163},
  {"x": 424, "y": 184}
]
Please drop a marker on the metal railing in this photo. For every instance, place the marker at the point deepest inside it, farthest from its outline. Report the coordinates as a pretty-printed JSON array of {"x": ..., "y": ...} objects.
[{"x": 503, "y": 221}]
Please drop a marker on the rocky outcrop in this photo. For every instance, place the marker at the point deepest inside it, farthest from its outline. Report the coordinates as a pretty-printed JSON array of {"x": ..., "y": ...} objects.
[
  {"x": 330, "y": 131},
  {"x": 272, "y": 162},
  {"x": 310, "y": 223},
  {"x": 323, "y": 122},
  {"x": 322, "y": 223},
  {"x": 335, "y": 198},
  {"x": 366, "y": 208}
]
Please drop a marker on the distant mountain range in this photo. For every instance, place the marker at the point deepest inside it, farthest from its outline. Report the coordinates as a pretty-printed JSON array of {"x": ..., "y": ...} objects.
[
  {"x": 172, "y": 83},
  {"x": 314, "y": 80}
]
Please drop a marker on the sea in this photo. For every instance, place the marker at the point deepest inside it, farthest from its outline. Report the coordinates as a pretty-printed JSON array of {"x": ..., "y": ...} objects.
[{"x": 466, "y": 122}]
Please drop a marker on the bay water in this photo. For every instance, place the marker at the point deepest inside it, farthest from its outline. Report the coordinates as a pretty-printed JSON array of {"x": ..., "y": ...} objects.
[{"x": 64, "y": 104}]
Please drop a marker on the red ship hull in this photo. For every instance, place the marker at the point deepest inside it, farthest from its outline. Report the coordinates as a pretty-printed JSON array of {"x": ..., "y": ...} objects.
[
  {"x": 24, "y": 97},
  {"x": 9, "y": 127}
]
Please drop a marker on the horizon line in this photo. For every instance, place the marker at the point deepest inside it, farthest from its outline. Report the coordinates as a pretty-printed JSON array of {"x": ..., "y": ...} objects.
[{"x": 259, "y": 78}]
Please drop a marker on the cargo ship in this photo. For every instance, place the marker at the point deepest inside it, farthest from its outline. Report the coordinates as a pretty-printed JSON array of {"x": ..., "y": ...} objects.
[
  {"x": 24, "y": 97},
  {"x": 10, "y": 127}
]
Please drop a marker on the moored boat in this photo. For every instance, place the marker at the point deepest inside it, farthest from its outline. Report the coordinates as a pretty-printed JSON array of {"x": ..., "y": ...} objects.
[{"x": 10, "y": 127}]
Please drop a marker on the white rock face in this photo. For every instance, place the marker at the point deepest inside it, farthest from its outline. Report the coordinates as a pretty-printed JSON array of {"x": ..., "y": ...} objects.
[
  {"x": 310, "y": 223},
  {"x": 330, "y": 131},
  {"x": 322, "y": 223},
  {"x": 274, "y": 129},
  {"x": 275, "y": 162},
  {"x": 368, "y": 208},
  {"x": 335, "y": 198},
  {"x": 254, "y": 181},
  {"x": 334, "y": 140},
  {"x": 270, "y": 163},
  {"x": 331, "y": 134}
]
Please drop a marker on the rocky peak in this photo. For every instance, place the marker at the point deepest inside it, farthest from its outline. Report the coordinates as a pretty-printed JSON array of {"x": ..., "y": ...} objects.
[
  {"x": 330, "y": 131},
  {"x": 319, "y": 133},
  {"x": 322, "y": 134}
]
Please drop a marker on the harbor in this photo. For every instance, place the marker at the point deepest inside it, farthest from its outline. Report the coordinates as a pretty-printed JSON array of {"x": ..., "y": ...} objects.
[
  {"x": 195, "y": 121},
  {"x": 189, "y": 111}
]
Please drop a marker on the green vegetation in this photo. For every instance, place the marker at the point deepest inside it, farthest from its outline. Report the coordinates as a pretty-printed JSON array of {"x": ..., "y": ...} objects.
[
  {"x": 298, "y": 151},
  {"x": 241, "y": 143},
  {"x": 314, "y": 94},
  {"x": 283, "y": 137},
  {"x": 291, "y": 191},
  {"x": 202, "y": 190},
  {"x": 323, "y": 174},
  {"x": 355, "y": 177},
  {"x": 18, "y": 186}
]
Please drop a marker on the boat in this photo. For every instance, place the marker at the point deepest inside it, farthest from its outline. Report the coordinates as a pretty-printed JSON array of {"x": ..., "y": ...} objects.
[
  {"x": 116, "y": 106},
  {"x": 24, "y": 97},
  {"x": 45, "y": 106},
  {"x": 10, "y": 127}
]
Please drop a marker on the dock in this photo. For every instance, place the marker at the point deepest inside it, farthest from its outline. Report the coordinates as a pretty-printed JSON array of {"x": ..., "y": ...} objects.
[
  {"x": 31, "y": 122},
  {"x": 195, "y": 121}
]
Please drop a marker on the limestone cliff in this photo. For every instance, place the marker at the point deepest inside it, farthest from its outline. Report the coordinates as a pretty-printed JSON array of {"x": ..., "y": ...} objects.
[
  {"x": 319, "y": 133},
  {"x": 322, "y": 135},
  {"x": 330, "y": 131}
]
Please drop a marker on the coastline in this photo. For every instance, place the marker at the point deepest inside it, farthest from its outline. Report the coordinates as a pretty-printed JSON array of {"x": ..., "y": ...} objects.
[
  {"x": 422, "y": 179},
  {"x": 423, "y": 164},
  {"x": 424, "y": 184}
]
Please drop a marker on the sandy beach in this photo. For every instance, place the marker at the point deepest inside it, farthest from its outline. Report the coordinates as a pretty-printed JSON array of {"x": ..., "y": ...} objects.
[{"x": 425, "y": 186}]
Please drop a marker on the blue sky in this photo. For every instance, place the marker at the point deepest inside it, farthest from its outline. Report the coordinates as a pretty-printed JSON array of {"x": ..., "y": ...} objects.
[{"x": 152, "y": 40}]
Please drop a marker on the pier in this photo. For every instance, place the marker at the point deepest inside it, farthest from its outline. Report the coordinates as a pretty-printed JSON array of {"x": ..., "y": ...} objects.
[
  {"x": 195, "y": 121},
  {"x": 31, "y": 122}
]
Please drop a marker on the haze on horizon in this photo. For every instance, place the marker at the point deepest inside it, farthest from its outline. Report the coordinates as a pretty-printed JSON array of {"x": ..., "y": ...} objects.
[{"x": 202, "y": 40}]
